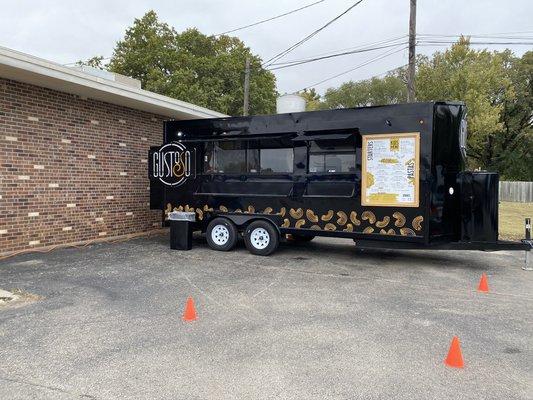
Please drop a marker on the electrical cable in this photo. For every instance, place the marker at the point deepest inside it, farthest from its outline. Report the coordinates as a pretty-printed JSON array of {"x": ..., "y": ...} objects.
[
  {"x": 379, "y": 57},
  {"x": 269, "y": 19},
  {"x": 379, "y": 42},
  {"x": 474, "y": 43},
  {"x": 485, "y": 36},
  {"x": 242, "y": 27},
  {"x": 336, "y": 55},
  {"x": 305, "y": 39}
]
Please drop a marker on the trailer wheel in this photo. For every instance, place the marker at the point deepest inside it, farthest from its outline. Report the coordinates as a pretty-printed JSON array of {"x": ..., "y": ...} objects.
[
  {"x": 293, "y": 237},
  {"x": 261, "y": 238},
  {"x": 221, "y": 234}
]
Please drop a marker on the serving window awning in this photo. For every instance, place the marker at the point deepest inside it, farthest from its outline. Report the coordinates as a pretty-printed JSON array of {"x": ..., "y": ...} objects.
[
  {"x": 225, "y": 138},
  {"x": 324, "y": 136}
]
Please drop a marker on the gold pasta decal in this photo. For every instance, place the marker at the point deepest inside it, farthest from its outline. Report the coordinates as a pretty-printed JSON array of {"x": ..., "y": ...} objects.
[
  {"x": 407, "y": 232},
  {"x": 311, "y": 216},
  {"x": 296, "y": 214},
  {"x": 299, "y": 223},
  {"x": 349, "y": 228},
  {"x": 200, "y": 213},
  {"x": 368, "y": 215},
  {"x": 330, "y": 227},
  {"x": 353, "y": 218},
  {"x": 343, "y": 218},
  {"x": 400, "y": 219},
  {"x": 417, "y": 223},
  {"x": 327, "y": 217},
  {"x": 384, "y": 222}
]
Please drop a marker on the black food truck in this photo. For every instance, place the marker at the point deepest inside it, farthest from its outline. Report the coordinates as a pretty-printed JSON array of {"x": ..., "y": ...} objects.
[{"x": 387, "y": 176}]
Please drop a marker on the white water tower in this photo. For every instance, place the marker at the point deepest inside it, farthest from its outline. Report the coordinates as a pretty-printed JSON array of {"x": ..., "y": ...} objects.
[{"x": 290, "y": 103}]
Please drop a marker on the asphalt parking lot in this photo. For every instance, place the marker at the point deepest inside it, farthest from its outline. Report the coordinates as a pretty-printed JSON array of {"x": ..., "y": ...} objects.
[{"x": 321, "y": 320}]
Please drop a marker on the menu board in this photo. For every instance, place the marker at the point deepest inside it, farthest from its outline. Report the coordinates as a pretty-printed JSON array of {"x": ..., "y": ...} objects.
[{"x": 390, "y": 170}]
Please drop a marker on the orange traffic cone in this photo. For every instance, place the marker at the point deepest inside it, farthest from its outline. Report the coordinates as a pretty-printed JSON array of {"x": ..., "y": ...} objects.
[
  {"x": 483, "y": 284},
  {"x": 455, "y": 357},
  {"x": 190, "y": 313}
]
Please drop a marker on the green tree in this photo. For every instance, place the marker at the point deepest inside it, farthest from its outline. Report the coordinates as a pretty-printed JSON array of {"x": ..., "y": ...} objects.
[
  {"x": 190, "y": 66},
  {"x": 390, "y": 89},
  {"x": 496, "y": 87},
  {"x": 312, "y": 99},
  {"x": 514, "y": 142},
  {"x": 476, "y": 77},
  {"x": 95, "y": 62}
]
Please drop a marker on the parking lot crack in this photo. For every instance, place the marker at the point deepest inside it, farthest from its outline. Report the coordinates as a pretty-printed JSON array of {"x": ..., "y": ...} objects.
[{"x": 49, "y": 387}]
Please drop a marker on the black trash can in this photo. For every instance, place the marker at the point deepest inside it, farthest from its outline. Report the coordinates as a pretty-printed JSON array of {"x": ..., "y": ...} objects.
[{"x": 181, "y": 230}]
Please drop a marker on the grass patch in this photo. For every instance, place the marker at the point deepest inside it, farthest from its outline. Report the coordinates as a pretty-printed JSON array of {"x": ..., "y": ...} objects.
[{"x": 511, "y": 219}]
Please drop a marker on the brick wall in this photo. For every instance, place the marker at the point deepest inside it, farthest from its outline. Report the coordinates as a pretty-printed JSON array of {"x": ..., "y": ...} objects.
[{"x": 71, "y": 169}]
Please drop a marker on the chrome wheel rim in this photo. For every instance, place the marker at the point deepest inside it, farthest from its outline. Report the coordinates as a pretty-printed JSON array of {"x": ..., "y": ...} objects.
[
  {"x": 260, "y": 238},
  {"x": 220, "y": 235}
]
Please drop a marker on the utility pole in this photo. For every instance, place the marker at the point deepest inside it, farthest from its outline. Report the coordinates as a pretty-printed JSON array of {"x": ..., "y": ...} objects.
[
  {"x": 246, "y": 87},
  {"x": 412, "y": 51}
]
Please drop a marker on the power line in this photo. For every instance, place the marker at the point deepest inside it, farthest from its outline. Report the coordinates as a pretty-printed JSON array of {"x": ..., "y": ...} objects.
[
  {"x": 305, "y": 39},
  {"x": 485, "y": 36},
  {"x": 269, "y": 19},
  {"x": 365, "y": 48},
  {"x": 438, "y": 42},
  {"x": 379, "y": 57},
  {"x": 497, "y": 35},
  {"x": 336, "y": 55},
  {"x": 346, "y": 49},
  {"x": 373, "y": 76},
  {"x": 242, "y": 27}
]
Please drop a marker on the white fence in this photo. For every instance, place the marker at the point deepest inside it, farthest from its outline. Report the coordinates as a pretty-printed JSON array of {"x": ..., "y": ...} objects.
[{"x": 518, "y": 192}]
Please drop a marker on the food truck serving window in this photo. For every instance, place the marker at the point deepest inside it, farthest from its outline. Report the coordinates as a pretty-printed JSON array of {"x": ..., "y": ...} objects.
[
  {"x": 331, "y": 156},
  {"x": 268, "y": 156},
  {"x": 225, "y": 157}
]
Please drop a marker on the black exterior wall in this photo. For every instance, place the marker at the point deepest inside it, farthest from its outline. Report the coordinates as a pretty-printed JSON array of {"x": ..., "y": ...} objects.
[{"x": 328, "y": 204}]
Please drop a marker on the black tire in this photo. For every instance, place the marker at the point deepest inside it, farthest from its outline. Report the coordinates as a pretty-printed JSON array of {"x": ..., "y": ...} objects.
[
  {"x": 261, "y": 238},
  {"x": 225, "y": 231},
  {"x": 294, "y": 237}
]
